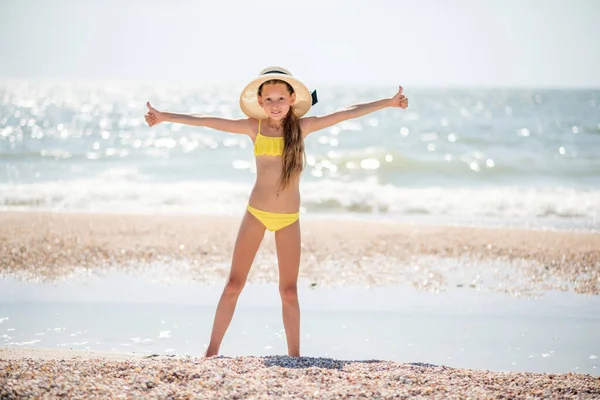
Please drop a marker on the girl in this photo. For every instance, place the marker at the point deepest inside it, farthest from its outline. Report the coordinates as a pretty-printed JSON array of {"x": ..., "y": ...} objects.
[{"x": 274, "y": 103}]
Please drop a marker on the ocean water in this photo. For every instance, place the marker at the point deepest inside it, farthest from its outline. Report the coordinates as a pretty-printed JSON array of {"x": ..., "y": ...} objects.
[{"x": 481, "y": 156}]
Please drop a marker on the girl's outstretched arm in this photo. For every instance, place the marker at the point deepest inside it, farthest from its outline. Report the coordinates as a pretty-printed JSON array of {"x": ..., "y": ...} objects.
[
  {"x": 243, "y": 125},
  {"x": 312, "y": 124}
]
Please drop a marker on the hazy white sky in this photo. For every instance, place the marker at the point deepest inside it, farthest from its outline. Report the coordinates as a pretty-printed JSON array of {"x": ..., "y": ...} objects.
[{"x": 419, "y": 42}]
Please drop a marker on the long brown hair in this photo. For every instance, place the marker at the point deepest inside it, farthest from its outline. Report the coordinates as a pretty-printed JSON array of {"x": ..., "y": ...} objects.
[{"x": 293, "y": 145}]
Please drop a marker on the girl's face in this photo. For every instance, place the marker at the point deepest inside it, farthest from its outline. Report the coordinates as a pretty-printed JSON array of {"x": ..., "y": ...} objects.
[{"x": 276, "y": 100}]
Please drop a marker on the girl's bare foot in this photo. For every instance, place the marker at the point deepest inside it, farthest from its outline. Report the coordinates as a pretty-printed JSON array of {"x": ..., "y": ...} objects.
[{"x": 208, "y": 353}]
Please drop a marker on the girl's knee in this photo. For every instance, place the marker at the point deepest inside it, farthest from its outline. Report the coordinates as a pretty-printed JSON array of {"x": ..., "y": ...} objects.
[
  {"x": 233, "y": 287},
  {"x": 289, "y": 292}
]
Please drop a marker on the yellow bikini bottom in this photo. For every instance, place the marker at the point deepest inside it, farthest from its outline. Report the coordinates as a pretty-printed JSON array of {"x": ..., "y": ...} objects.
[{"x": 273, "y": 221}]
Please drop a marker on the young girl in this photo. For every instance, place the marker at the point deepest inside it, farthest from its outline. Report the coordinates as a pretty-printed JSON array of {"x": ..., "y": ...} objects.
[{"x": 275, "y": 103}]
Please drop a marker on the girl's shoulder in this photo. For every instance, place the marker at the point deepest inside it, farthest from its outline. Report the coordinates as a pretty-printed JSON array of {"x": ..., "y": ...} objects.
[
  {"x": 254, "y": 126},
  {"x": 305, "y": 125}
]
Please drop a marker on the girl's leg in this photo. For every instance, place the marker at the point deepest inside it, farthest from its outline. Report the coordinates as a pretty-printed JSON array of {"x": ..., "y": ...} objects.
[
  {"x": 287, "y": 241},
  {"x": 248, "y": 240}
]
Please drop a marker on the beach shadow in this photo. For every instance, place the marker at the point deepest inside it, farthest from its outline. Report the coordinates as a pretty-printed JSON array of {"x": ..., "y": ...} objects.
[
  {"x": 327, "y": 363},
  {"x": 318, "y": 362}
]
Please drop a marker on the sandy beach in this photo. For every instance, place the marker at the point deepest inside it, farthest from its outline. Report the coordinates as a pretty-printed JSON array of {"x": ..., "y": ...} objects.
[
  {"x": 47, "y": 246},
  {"x": 29, "y": 373}
]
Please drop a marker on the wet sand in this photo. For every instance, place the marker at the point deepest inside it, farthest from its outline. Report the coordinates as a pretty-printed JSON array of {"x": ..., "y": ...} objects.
[
  {"x": 47, "y": 246},
  {"x": 28, "y": 373}
]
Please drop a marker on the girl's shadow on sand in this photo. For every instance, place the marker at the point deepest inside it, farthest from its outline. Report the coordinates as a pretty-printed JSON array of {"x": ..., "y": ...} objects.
[{"x": 329, "y": 363}]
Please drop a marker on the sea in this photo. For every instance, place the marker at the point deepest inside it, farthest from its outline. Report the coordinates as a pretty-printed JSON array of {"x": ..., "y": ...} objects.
[{"x": 481, "y": 156}]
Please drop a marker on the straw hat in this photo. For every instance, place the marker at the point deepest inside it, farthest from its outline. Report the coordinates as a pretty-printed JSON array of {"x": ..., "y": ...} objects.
[{"x": 249, "y": 97}]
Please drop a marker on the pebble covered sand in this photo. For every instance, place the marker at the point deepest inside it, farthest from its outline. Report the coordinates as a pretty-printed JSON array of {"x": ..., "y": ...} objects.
[
  {"x": 84, "y": 375},
  {"x": 47, "y": 246}
]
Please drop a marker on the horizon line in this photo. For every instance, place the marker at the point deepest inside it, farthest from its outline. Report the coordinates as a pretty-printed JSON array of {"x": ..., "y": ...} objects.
[{"x": 314, "y": 85}]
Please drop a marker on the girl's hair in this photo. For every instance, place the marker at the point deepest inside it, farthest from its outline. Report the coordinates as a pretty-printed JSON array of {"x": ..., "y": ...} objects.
[{"x": 293, "y": 148}]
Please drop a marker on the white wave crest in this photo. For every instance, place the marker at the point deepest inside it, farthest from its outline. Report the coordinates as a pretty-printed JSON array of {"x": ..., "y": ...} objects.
[{"x": 322, "y": 197}]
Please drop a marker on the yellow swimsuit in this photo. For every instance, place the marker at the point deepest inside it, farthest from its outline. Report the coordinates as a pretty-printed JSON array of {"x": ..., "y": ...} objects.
[
  {"x": 271, "y": 146},
  {"x": 267, "y": 145}
]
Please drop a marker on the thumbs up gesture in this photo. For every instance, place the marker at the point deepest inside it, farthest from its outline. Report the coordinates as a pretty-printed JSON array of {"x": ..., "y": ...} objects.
[
  {"x": 153, "y": 116},
  {"x": 399, "y": 100}
]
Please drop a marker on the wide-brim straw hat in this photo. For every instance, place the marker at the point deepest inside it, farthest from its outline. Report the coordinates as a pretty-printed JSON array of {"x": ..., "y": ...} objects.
[{"x": 249, "y": 97}]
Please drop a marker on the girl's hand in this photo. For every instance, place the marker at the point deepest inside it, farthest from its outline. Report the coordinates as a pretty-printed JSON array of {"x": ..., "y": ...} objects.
[
  {"x": 153, "y": 116},
  {"x": 399, "y": 100}
]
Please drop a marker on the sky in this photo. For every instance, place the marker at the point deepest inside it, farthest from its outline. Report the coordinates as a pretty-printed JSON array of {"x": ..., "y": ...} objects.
[{"x": 458, "y": 43}]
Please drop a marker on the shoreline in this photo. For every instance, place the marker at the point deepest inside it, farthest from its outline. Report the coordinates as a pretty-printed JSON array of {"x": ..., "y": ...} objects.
[
  {"x": 49, "y": 246},
  {"x": 80, "y": 374}
]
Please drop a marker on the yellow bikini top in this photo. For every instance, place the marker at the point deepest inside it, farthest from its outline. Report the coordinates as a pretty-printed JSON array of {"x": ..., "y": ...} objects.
[{"x": 267, "y": 145}]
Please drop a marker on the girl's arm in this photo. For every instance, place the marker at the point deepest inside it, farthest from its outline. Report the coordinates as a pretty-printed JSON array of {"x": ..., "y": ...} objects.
[
  {"x": 313, "y": 124},
  {"x": 243, "y": 126}
]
